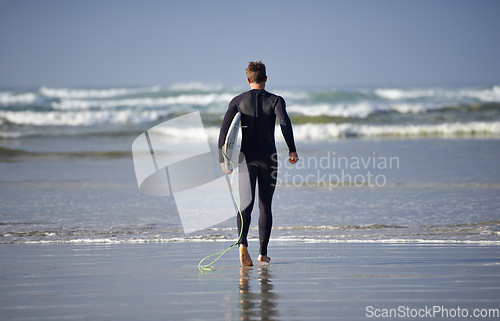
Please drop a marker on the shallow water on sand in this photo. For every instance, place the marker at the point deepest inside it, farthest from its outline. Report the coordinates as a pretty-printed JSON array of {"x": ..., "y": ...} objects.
[
  {"x": 441, "y": 190},
  {"x": 303, "y": 282}
]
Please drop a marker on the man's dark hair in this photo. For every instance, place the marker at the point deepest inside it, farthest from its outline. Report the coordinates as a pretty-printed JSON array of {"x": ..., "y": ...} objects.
[{"x": 256, "y": 72}]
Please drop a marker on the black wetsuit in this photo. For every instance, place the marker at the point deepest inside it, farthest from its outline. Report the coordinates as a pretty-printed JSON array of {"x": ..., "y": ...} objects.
[{"x": 258, "y": 109}]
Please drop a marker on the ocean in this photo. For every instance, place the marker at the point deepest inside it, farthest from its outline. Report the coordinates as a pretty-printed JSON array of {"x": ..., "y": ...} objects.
[{"x": 376, "y": 164}]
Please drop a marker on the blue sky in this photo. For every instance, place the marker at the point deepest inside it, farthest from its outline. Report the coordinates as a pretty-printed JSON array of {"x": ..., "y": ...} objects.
[{"x": 63, "y": 43}]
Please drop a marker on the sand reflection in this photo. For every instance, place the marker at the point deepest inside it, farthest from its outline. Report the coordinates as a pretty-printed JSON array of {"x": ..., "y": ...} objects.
[{"x": 257, "y": 299}]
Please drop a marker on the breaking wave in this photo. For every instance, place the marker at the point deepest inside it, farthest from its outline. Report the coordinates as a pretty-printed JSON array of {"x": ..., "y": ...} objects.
[{"x": 316, "y": 114}]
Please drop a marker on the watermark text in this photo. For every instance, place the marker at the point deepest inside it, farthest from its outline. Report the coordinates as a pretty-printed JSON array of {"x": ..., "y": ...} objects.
[
  {"x": 434, "y": 311},
  {"x": 331, "y": 170}
]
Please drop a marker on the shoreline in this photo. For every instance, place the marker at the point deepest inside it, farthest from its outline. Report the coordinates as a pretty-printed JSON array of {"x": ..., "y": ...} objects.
[
  {"x": 321, "y": 281},
  {"x": 253, "y": 240}
]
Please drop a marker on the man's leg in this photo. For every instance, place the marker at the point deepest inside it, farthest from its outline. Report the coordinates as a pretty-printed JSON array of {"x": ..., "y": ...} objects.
[
  {"x": 267, "y": 184},
  {"x": 247, "y": 196}
]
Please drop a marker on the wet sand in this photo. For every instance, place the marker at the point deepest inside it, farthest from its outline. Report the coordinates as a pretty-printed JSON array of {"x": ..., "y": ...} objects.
[{"x": 339, "y": 281}]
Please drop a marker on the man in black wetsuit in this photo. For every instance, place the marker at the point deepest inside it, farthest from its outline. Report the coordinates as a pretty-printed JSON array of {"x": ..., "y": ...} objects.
[{"x": 258, "y": 109}]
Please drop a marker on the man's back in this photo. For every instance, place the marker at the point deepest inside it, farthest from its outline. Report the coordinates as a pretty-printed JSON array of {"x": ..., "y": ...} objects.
[
  {"x": 259, "y": 109},
  {"x": 258, "y": 121}
]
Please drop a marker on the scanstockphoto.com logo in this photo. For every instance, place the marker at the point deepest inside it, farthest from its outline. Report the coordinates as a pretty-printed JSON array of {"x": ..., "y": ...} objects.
[{"x": 430, "y": 312}]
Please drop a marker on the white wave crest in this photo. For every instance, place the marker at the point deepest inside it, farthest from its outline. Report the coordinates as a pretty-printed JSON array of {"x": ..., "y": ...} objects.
[
  {"x": 485, "y": 95},
  {"x": 194, "y": 86},
  {"x": 85, "y": 118},
  {"x": 189, "y": 133},
  {"x": 67, "y": 93},
  {"x": 8, "y": 98},
  {"x": 202, "y": 100},
  {"x": 357, "y": 110},
  {"x": 482, "y": 94},
  {"x": 397, "y": 94},
  {"x": 361, "y": 109},
  {"x": 410, "y": 108},
  {"x": 7, "y": 134},
  {"x": 290, "y": 95},
  {"x": 324, "y": 132}
]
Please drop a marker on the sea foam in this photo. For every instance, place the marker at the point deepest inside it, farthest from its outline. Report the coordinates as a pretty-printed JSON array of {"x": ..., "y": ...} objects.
[
  {"x": 67, "y": 93},
  {"x": 324, "y": 132}
]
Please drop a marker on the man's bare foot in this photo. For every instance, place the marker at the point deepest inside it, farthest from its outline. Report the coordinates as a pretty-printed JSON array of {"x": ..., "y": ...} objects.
[
  {"x": 245, "y": 258},
  {"x": 264, "y": 259}
]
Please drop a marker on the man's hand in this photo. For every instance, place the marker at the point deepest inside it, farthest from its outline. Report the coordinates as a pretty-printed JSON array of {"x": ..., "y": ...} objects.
[
  {"x": 223, "y": 167},
  {"x": 293, "y": 158}
]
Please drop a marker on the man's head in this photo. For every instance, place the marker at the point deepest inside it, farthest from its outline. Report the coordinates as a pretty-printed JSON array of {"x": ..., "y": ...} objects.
[{"x": 256, "y": 72}]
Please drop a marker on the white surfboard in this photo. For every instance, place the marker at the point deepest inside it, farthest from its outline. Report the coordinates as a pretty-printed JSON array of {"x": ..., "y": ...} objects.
[{"x": 231, "y": 147}]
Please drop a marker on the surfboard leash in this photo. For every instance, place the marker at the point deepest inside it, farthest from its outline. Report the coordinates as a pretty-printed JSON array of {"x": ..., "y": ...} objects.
[{"x": 207, "y": 267}]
